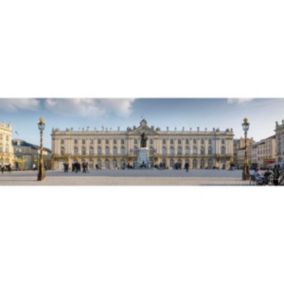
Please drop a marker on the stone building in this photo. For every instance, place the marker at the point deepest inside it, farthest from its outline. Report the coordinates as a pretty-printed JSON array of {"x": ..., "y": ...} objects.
[
  {"x": 27, "y": 154},
  {"x": 6, "y": 148},
  {"x": 239, "y": 151},
  {"x": 264, "y": 152},
  {"x": 111, "y": 149},
  {"x": 279, "y": 132}
]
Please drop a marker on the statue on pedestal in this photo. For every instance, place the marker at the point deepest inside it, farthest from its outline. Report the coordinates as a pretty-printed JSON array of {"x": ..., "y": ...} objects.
[{"x": 143, "y": 143}]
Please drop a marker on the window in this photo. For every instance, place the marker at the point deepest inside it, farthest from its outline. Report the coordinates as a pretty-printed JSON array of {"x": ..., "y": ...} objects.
[
  {"x": 62, "y": 141},
  {"x": 179, "y": 141},
  {"x": 223, "y": 141},
  {"x": 164, "y": 141},
  {"x": 91, "y": 141},
  {"x": 91, "y": 150},
  {"x": 151, "y": 141},
  {"x": 172, "y": 150},
  {"x": 122, "y": 150},
  {"x": 187, "y": 150},
  {"x": 75, "y": 141},
  {"x": 223, "y": 150},
  {"x": 114, "y": 141},
  {"x": 83, "y": 150},
  {"x": 179, "y": 150},
  {"x": 107, "y": 150},
  {"x": 99, "y": 150},
  {"x": 76, "y": 150},
  {"x": 115, "y": 150},
  {"x": 135, "y": 141},
  {"x": 107, "y": 141},
  {"x": 172, "y": 141},
  {"x": 195, "y": 150},
  {"x": 62, "y": 151},
  {"x": 194, "y": 141},
  {"x": 83, "y": 141},
  {"x": 202, "y": 141},
  {"x": 187, "y": 141},
  {"x": 209, "y": 141},
  {"x": 99, "y": 141},
  {"x": 122, "y": 141},
  {"x": 202, "y": 150},
  {"x": 164, "y": 151},
  {"x": 210, "y": 150}
]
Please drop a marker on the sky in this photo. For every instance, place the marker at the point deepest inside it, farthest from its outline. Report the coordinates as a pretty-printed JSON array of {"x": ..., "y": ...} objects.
[{"x": 223, "y": 113}]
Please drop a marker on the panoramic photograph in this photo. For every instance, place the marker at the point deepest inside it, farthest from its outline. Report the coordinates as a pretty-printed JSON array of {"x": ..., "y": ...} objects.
[{"x": 163, "y": 141}]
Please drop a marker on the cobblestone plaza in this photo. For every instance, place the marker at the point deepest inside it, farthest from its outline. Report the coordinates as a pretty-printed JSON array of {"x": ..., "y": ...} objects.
[{"x": 127, "y": 177}]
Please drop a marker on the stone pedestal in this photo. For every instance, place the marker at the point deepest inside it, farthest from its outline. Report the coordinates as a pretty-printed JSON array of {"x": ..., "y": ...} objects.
[{"x": 143, "y": 160}]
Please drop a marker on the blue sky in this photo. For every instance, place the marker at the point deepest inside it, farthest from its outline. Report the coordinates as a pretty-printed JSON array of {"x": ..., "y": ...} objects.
[{"x": 111, "y": 113}]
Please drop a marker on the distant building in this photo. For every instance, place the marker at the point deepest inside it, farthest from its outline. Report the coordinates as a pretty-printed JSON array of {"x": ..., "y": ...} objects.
[
  {"x": 6, "y": 149},
  {"x": 111, "y": 149},
  {"x": 239, "y": 151},
  {"x": 264, "y": 152},
  {"x": 279, "y": 132},
  {"x": 27, "y": 155}
]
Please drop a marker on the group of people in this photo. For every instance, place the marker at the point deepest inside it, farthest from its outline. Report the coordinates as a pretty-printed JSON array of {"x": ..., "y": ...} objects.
[
  {"x": 7, "y": 168},
  {"x": 274, "y": 176},
  {"x": 77, "y": 167}
]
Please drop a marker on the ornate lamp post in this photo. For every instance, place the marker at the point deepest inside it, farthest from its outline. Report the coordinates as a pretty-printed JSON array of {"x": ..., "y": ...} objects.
[
  {"x": 41, "y": 171},
  {"x": 245, "y": 126}
]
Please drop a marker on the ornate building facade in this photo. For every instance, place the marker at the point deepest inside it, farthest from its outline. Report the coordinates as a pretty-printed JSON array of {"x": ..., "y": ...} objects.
[
  {"x": 108, "y": 149},
  {"x": 279, "y": 131},
  {"x": 6, "y": 148},
  {"x": 264, "y": 152}
]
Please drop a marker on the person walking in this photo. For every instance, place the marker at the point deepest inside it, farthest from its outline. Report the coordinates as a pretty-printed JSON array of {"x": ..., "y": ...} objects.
[{"x": 2, "y": 168}]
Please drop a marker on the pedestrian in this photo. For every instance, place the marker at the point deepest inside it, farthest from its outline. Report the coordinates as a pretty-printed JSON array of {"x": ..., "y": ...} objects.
[
  {"x": 2, "y": 169},
  {"x": 84, "y": 165}
]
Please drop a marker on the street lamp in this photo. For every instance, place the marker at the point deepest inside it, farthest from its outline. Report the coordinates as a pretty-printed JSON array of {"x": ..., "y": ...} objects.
[
  {"x": 41, "y": 172},
  {"x": 245, "y": 126}
]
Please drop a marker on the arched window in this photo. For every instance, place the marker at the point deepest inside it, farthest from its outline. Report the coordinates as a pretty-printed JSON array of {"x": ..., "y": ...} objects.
[
  {"x": 107, "y": 164},
  {"x": 172, "y": 162},
  {"x": 172, "y": 150},
  {"x": 202, "y": 164},
  {"x": 194, "y": 164},
  {"x": 179, "y": 150},
  {"x": 164, "y": 151},
  {"x": 210, "y": 163},
  {"x": 223, "y": 150}
]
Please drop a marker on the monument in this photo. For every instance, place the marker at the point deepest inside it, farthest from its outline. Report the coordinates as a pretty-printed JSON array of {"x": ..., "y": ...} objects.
[{"x": 143, "y": 160}]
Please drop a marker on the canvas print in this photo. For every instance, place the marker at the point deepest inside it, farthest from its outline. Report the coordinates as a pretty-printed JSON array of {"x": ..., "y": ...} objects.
[{"x": 178, "y": 141}]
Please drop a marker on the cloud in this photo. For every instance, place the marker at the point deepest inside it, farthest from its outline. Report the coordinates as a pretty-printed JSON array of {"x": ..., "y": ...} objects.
[
  {"x": 238, "y": 100},
  {"x": 90, "y": 107},
  {"x": 13, "y": 105}
]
